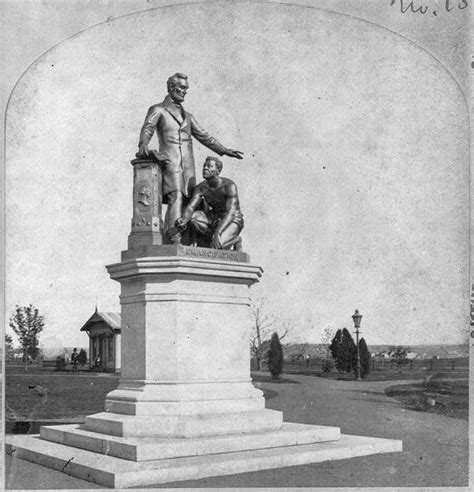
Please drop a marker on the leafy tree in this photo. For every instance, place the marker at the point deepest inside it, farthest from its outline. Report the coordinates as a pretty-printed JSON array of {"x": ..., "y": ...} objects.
[
  {"x": 348, "y": 352},
  {"x": 82, "y": 357},
  {"x": 326, "y": 338},
  {"x": 343, "y": 350},
  {"x": 27, "y": 324},
  {"x": 275, "y": 356},
  {"x": 264, "y": 325},
  {"x": 344, "y": 353},
  {"x": 365, "y": 359},
  {"x": 399, "y": 355},
  {"x": 335, "y": 348},
  {"x": 8, "y": 346},
  {"x": 327, "y": 365}
]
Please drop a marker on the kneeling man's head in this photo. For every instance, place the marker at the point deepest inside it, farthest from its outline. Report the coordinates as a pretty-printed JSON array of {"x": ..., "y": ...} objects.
[{"x": 212, "y": 167}]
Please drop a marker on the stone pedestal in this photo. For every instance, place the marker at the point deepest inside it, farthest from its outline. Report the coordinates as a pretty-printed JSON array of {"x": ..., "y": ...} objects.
[{"x": 186, "y": 325}]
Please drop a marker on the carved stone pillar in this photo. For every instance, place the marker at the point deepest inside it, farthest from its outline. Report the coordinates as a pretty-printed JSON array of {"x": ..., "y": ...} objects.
[{"x": 147, "y": 224}]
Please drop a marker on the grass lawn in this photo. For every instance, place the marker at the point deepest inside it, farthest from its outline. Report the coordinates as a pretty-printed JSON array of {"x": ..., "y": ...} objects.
[
  {"x": 40, "y": 395},
  {"x": 447, "y": 397}
]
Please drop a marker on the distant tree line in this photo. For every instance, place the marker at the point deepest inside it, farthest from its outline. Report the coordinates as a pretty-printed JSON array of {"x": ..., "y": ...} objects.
[{"x": 399, "y": 355}]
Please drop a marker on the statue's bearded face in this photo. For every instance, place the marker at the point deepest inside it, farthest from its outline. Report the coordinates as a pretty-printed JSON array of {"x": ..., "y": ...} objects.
[
  {"x": 178, "y": 90},
  {"x": 209, "y": 169}
]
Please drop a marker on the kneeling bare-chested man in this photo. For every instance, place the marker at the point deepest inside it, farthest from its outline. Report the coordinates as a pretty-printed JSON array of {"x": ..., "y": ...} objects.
[{"x": 220, "y": 221}]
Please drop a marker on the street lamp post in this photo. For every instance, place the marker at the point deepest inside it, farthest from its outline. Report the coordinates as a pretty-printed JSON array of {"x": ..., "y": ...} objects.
[{"x": 357, "y": 317}]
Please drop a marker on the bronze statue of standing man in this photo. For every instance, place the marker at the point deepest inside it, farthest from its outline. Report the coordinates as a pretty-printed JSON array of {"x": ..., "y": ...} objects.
[{"x": 175, "y": 128}]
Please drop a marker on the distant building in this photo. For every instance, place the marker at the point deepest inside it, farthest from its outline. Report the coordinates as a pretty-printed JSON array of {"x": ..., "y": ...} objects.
[{"x": 104, "y": 330}]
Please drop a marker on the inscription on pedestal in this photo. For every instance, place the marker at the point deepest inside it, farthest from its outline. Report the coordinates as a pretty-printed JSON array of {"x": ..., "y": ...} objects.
[
  {"x": 181, "y": 250},
  {"x": 215, "y": 254}
]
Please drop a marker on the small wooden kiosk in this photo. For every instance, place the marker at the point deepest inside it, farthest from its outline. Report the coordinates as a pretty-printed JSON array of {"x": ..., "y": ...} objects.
[{"x": 104, "y": 330}]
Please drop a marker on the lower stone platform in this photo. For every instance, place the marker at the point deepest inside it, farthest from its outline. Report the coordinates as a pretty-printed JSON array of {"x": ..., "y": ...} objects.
[
  {"x": 184, "y": 426},
  {"x": 143, "y": 449},
  {"x": 129, "y": 462}
]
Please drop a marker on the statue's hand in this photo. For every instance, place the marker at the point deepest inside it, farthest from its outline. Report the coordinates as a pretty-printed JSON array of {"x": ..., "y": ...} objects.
[
  {"x": 236, "y": 154},
  {"x": 142, "y": 150},
  {"x": 216, "y": 241},
  {"x": 180, "y": 223}
]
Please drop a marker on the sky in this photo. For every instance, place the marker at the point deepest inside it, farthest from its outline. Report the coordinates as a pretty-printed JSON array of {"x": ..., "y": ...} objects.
[{"x": 354, "y": 185}]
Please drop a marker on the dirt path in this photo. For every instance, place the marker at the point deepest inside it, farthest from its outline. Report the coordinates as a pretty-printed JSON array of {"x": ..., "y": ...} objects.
[{"x": 435, "y": 447}]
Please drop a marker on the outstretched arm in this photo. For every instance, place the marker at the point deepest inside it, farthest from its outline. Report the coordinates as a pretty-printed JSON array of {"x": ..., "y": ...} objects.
[{"x": 205, "y": 138}]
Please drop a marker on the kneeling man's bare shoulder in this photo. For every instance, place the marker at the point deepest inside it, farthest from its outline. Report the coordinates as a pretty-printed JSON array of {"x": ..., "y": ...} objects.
[{"x": 230, "y": 186}]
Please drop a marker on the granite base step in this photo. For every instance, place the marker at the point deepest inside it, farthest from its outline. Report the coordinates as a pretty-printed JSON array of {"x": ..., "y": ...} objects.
[
  {"x": 184, "y": 426},
  {"x": 110, "y": 471},
  {"x": 143, "y": 449}
]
